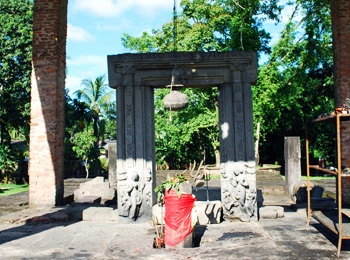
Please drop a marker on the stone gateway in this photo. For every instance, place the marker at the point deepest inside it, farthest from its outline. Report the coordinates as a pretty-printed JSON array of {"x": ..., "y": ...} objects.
[{"x": 135, "y": 76}]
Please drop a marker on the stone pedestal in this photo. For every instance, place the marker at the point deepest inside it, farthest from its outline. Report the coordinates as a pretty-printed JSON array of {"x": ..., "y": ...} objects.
[
  {"x": 112, "y": 165},
  {"x": 238, "y": 182},
  {"x": 292, "y": 157}
]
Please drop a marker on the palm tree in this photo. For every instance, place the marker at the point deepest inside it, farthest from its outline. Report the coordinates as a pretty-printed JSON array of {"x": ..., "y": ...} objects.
[{"x": 98, "y": 99}]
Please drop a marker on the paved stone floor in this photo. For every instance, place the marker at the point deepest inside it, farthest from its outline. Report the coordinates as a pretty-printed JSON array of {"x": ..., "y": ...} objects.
[{"x": 284, "y": 238}]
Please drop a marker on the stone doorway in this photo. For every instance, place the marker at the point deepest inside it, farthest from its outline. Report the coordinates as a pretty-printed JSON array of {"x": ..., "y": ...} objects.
[{"x": 135, "y": 76}]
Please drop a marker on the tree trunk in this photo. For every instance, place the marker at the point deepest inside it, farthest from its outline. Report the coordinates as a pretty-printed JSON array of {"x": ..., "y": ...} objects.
[
  {"x": 257, "y": 144},
  {"x": 217, "y": 158},
  {"x": 86, "y": 169},
  {"x": 96, "y": 132}
]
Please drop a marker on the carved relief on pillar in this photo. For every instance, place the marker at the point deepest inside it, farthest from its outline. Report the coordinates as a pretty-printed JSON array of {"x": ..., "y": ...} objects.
[
  {"x": 134, "y": 192},
  {"x": 238, "y": 190}
]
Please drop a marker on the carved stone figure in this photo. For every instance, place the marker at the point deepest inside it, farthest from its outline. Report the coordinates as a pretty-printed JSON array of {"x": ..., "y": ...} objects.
[
  {"x": 239, "y": 191},
  {"x": 134, "y": 193}
]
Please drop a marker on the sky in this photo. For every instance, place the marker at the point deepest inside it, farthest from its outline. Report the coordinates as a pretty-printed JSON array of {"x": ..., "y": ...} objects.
[{"x": 95, "y": 28}]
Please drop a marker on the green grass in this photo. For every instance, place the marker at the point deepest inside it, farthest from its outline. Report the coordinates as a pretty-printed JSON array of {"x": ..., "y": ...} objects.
[
  {"x": 9, "y": 189},
  {"x": 215, "y": 176},
  {"x": 304, "y": 178}
]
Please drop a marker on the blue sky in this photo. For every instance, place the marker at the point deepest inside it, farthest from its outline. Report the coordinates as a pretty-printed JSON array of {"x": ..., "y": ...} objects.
[{"x": 95, "y": 28}]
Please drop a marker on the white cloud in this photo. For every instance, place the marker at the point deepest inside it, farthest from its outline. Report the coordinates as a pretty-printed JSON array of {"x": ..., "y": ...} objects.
[
  {"x": 113, "y": 8},
  {"x": 73, "y": 84},
  {"x": 78, "y": 34},
  {"x": 97, "y": 61},
  {"x": 84, "y": 67}
]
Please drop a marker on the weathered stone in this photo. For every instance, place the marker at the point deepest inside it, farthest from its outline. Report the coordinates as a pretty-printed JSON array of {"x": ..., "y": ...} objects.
[
  {"x": 185, "y": 188},
  {"x": 271, "y": 212},
  {"x": 96, "y": 187},
  {"x": 158, "y": 214},
  {"x": 208, "y": 212},
  {"x": 186, "y": 243},
  {"x": 100, "y": 214},
  {"x": 292, "y": 157},
  {"x": 112, "y": 164},
  {"x": 134, "y": 76},
  {"x": 89, "y": 199},
  {"x": 299, "y": 194}
]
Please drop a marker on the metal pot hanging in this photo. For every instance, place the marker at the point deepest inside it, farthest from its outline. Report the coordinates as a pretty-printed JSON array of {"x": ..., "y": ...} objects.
[{"x": 175, "y": 100}]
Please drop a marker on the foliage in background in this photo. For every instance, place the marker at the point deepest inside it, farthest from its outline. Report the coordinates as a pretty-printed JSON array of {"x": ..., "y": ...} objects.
[
  {"x": 203, "y": 25},
  {"x": 16, "y": 19},
  {"x": 296, "y": 84},
  {"x": 7, "y": 162},
  {"x": 97, "y": 98},
  {"x": 84, "y": 147}
]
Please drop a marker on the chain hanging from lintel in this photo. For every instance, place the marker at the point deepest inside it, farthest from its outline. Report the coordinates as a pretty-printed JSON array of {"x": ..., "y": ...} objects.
[{"x": 175, "y": 100}]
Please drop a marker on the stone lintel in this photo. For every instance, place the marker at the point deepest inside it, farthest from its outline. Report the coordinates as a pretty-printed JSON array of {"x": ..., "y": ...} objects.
[{"x": 196, "y": 69}]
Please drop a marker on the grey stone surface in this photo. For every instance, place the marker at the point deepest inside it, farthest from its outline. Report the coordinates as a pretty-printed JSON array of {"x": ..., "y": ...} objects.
[
  {"x": 238, "y": 191},
  {"x": 269, "y": 239},
  {"x": 292, "y": 157},
  {"x": 208, "y": 212},
  {"x": 271, "y": 212},
  {"x": 185, "y": 188},
  {"x": 112, "y": 164},
  {"x": 89, "y": 199},
  {"x": 299, "y": 194},
  {"x": 158, "y": 214},
  {"x": 100, "y": 214},
  {"x": 186, "y": 243},
  {"x": 96, "y": 187}
]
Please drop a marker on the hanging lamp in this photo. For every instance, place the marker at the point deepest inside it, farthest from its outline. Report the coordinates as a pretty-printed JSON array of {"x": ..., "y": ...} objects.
[{"x": 175, "y": 100}]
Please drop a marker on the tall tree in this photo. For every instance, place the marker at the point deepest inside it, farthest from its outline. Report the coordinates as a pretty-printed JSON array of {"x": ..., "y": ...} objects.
[
  {"x": 296, "y": 84},
  {"x": 98, "y": 99},
  {"x": 16, "y": 18},
  {"x": 203, "y": 25}
]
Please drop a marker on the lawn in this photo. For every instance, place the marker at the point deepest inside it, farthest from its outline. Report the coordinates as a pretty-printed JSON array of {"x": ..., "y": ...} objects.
[
  {"x": 304, "y": 178},
  {"x": 9, "y": 189}
]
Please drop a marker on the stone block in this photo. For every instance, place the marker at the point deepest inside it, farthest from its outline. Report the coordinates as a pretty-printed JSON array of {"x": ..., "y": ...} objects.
[
  {"x": 208, "y": 212},
  {"x": 158, "y": 214},
  {"x": 89, "y": 199},
  {"x": 96, "y": 187},
  {"x": 186, "y": 243},
  {"x": 299, "y": 194},
  {"x": 271, "y": 212},
  {"x": 100, "y": 214}
]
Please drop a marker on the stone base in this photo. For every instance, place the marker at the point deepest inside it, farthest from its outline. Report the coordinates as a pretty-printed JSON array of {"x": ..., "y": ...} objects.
[
  {"x": 100, "y": 214},
  {"x": 96, "y": 187},
  {"x": 186, "y": 243},
  {"x": 208, "y": 212},
  {"x": 203, "y": 213},
  {"x": 271, "y": 212}
]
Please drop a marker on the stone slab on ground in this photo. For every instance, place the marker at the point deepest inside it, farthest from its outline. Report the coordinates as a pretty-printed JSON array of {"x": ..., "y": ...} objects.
[
  {"x": 89, "y": 199},
  {"x": 271, "y": 212},
  {"x": 269, "y": 239},
  {"x": 208, "y": 212},
  {"x": 95, "y": 187},
  {"x": 100, "y": 214}
]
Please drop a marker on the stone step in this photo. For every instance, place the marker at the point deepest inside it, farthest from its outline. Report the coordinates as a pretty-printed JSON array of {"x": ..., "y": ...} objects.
[{"x": 272, "y": 190}]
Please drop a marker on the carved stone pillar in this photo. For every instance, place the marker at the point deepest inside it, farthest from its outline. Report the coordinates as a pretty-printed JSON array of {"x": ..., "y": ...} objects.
[
  {"x": 238, "y": 180},
  {"x": 135, "y": 147},
  {"x": 135, "y": 75}
]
